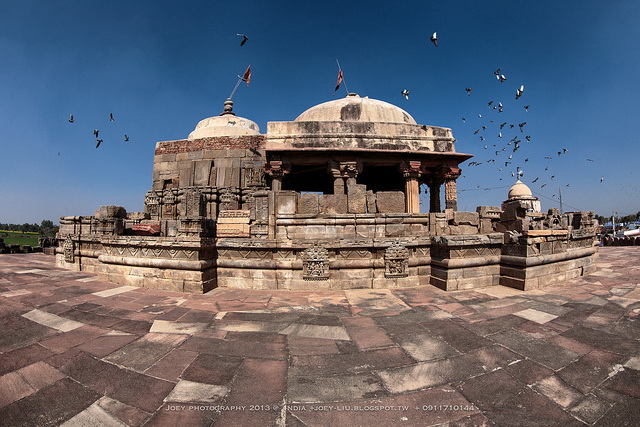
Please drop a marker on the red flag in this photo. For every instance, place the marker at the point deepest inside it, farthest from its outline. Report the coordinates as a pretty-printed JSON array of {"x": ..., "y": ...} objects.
[
  {"x": 246, "y": 77},
  {"x": 339, "y": 80}
]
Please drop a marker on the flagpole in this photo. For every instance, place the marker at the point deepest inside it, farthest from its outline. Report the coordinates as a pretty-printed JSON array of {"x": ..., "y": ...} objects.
[
  {"x": 235, "y": 88},
  {"x": 240, "y": 78},
  {"x": 343, "y": 79}
]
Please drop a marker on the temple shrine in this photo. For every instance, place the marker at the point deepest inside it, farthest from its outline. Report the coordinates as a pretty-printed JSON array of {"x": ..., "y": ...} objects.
[{"x": 330, "y": 200}]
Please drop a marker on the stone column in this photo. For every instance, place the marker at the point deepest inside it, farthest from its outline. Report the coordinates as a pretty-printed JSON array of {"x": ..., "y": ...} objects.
[
  {"x": 434, "y": 197},
  {"x": 450, "y": 193},
  {"x": 276, "y": 170},
  {"x": 411, "y": 172}
]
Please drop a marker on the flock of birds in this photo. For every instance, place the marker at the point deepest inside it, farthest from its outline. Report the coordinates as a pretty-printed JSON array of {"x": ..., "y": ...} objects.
[
  {"x": 96, "y": 132},
  {"x": 511, "y": 147},
  {"x": 500, "y": 147}
]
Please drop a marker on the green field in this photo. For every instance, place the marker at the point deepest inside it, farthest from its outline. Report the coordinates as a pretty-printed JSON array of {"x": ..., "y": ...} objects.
[{"x": 19, "y": 238}]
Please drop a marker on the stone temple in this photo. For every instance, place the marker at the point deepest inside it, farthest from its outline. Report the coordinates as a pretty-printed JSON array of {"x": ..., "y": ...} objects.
[{"x": 329, "y": 200}]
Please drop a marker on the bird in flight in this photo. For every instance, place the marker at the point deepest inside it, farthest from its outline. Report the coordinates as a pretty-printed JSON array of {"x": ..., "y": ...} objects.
[
  {"x": 526, "y": 108},
  {"x": 126, "y": 138},
  {"x": 469, "y": 89},
  {"x": 526, "y": 160},
  {"x": 521, "y": 125},
  {"x": 543, "y": 185},
  {"x": 519, "y": 92},
  {"x": 96, "y": 132},
  {"x": 71, "y": 118},
  {"x": 464, "y": 120},
  {"x": 434, "y": 39},
  {"x": 244, "y": 38},
  {"x": 489, "y": 103},
  {"x": 535, "y": 180},
  {"x": 528, "y": 138},
  {"x": 589, "y": 160},
  {"x": 405, "y": 93},
  {"x": 601, "y": 179},
  {"x": 111, "y": 119},
  {"x": 503, "y": 125},
  {"x": 99, "y": 142}
]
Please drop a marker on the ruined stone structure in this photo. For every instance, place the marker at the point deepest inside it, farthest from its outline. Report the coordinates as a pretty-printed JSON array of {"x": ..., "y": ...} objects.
[{"x": 330, "y": 200}]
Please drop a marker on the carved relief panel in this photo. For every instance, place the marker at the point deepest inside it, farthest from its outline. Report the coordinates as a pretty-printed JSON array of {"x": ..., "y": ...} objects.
[
  {"x": 315, "y": 263},
  {"x": 68, "y": 248},
  {"x": 396, "y": 261}
]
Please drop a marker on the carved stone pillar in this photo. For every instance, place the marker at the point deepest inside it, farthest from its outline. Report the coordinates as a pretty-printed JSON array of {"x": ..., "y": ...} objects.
[
  {"x": 343, "y": 173},
  {"x": 276, "y": 170},
  {"x": 411, "y": 172},
  {"x": 450, "y": 193}
]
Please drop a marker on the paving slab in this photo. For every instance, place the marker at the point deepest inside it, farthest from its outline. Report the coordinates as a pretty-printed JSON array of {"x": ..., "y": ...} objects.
[
  {"x": 193, "y": 392},
  {"x": 169, "y": 327},
  {"x": 115, "y": 291},
  {"x": 333, "y": 389},
  {"x": 534, "y": 315},
  {"x": 52, "y": 321},
  {"x": 94, "y": 415}
]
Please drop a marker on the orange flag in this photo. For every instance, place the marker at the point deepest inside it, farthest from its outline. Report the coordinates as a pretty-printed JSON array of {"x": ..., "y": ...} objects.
[
  {"x": 339, "y": 80},
  {"x": 246, "y": 77}
]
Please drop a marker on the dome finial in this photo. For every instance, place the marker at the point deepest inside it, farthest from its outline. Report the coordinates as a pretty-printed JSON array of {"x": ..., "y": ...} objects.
[{"x": 228, "y": 107}]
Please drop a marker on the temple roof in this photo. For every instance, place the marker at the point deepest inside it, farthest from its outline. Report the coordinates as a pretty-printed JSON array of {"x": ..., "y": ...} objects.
[
  {"x": 353, "y": 108},
  {"x": 225, "y": 124},
  {"x": 519, "y": 190}
]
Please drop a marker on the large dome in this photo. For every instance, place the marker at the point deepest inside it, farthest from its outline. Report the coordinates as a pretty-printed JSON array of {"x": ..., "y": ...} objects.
[{"x": 353, "y": 108}]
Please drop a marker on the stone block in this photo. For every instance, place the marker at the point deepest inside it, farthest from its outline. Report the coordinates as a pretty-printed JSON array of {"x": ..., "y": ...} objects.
[
  {"x": 309, "y": 203},
  {"x": 227, "y": 172},
  {"x": 202, "y": 172},
  {"x": 357, "y": 198},
  {"x": 390, "y": 202},
  {"x": 235, "y": 216},
  {"x": 466, "y": 218},
  {"x": 286, "y": 202},
  {"x": 333, "y": 203},
  {"x": 371, "y": 202},
  {"x": 491, "y": 212},
  {"x": 110, "y": 211},
  {"x": 233, "y": 230}
]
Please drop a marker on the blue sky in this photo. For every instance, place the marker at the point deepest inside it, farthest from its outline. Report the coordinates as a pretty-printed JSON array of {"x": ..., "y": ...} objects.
[{"x": 162, "y": 66}]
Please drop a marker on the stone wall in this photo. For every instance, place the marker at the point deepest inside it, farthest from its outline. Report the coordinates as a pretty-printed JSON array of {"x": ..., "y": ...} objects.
[{"x": 271, "y": 246}]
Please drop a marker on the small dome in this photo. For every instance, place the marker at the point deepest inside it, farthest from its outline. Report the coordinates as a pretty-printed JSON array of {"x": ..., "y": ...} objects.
[
  {"x": 356, "y": 109},
  {"x": 226, "y": 124},
  {"x": 519, "y": 190}
]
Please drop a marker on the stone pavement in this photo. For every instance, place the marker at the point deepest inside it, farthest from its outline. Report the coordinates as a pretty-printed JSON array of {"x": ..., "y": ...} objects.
[{"x": 77, "y": 351}]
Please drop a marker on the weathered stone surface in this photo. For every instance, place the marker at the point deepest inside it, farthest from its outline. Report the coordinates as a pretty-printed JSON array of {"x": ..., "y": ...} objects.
[
  {"x": 390, "y": 201},
  {"x": 334, "y": 204},
  {"x": 309, "y": 204}
]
